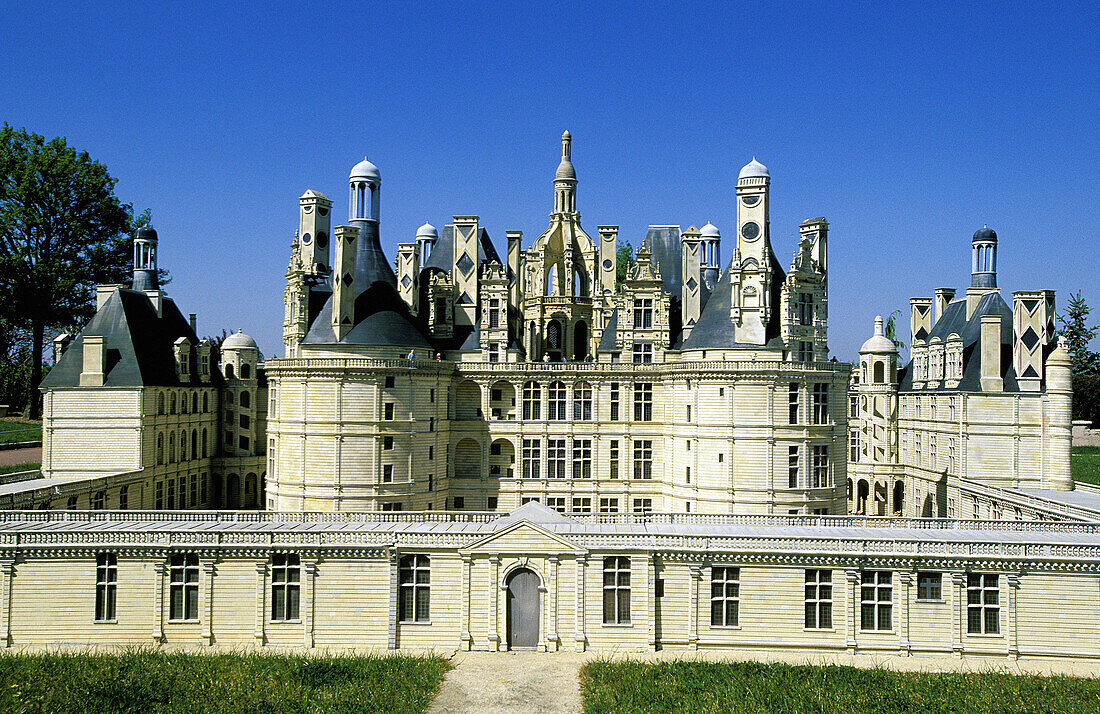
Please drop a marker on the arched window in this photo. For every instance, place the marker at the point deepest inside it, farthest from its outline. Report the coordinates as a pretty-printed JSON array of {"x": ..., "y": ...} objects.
[
  {"x": 160, "y": 448},
  {"x": 229, "y": 397},
  {"x": 246, "y": 371},
  {"x": 205, "y": 402},
  {"x": 555, "y": 401},
  {"x": 204, "y": 451},
  {"x": 160, "y": 402},
  {"x": 229, "y": 371},
  {"x": 552, "y": 280},
  {"x": 172, "y": 403},
  {"x": 532, "y": 401},
  {"x": 880, "y": 372},
  {"x": 582, "y": 401},
  {"x": 246, "y": 399},
  {"x": 183, "y": 403},
  {"x": 172, "y": 448},
  {"x": 183, "y": 445},
  {"x": 195, "y": 403},
  {"x": 194, "y": 443}
]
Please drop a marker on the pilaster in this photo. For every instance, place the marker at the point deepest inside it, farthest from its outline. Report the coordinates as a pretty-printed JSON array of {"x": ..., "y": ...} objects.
[
  {"x": 903, "y": 598},
  {"x": 851, "y": 617},
  {"x": 693, "y": 611},
  {"x": 466, "y": 641},
  {"x": 391, "y": 618},
  {"x": 552, "y": 635},
  {"x": 309, "y": 584},
  {"x": 261, "y": 590},
  {"x": 207, "y": 598},
  {"x": 1013, "y": 581},
  {"x": 494, "y": 603},
  {"x": 579, "y": 636},
  {"x": 159, "y": 569},
  {"x": 7, "y": 571},
  {"x": 958, "y": 615}
]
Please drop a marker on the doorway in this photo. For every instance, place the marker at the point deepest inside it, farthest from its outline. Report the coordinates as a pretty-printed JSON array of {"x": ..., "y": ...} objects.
[{"x": 523, "y": 610}]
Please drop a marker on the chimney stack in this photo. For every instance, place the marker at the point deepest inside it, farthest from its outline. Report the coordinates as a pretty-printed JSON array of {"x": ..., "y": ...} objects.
[{"x": 990, "y": 342}]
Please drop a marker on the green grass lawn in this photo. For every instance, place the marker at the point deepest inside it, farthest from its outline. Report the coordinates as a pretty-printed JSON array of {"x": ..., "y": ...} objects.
[
  {"x": 12, "y": 468},
  {"x": 686, "y": 686},
  {"x": 16, "y": 429},
  {"x": 1085, "y": 462},
  {"x": 166, "y": 683}
]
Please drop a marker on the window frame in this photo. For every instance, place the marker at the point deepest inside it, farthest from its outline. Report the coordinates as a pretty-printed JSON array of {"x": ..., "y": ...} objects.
[
  {"x": 183, "y": 580},
  {"x": 818, "y": 602},
  {"x": 616, "y": 569},
  {"x": 876, "y": 601},
  {"x": 106, "y": 587},
  {"x": 723, "y": 602},
  {"x": 286, "y": 580},
  {"x": 927, "y": 581},
  {"x": 986, "y": 589},
  {"x": 414, "y": 567}
]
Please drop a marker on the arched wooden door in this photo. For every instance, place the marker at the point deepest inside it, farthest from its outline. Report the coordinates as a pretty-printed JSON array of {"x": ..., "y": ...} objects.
[{"x": 523, "y": 610}]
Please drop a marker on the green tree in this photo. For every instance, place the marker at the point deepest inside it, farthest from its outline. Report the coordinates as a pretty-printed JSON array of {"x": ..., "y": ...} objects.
[
  {"x": 1075, "y": 335},
  {"x": 890, "y": 329},
  {"x": 624, "y": 258},
  {"x": 62, "y": 232}
]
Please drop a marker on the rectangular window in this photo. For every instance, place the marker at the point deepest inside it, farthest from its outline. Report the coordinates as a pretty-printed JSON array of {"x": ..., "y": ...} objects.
[
  {"x": 388, "y": 411},
  {"x": 805, "y": 309},
  {"x": 613, "y": 464},
  {"x": 184, "y": 587},
  {"x": 387, "y": 473},
  {"x": 494, "y": 314},
  {"x": 392, "y": 506},
  {"x": 414, "y": 578},
  {"x": 643, "y": 458},
  {"x": 582, "y": 505},
  {"x": 616, "y": 591},
  {"x": 876, "y": 600},
  {"x": 983, "y": 604},
  {"x": 643, "y": 505},
  {"x": 460, "y": 503},
  {"x": 285, "y": 580},
  {"x": 159, "y": 498},
  {"x": 609, "y": 505},
  {"x": 792, "y": 467},
  {"x": 929, "y": 586},
  {"x": 725, "y": 596},
  {"x": 821, "y": 467},
  {"x": 614, "y": 401},
  {"x": 532, "y": 401},
  {"x": 792, "y": 403},
  {"x": 582, "y": 458},
  {"x": 643, "y": 314},
  {"x": 431, "y": 452},
  {"x": 643, "y": 401},
  {"x": 194, "y": 489},
  {"x": 555, "y": 458},
  {"x": 390, "y": 380},
  {"x": 932, "y": 451},
  {"x": 532, "y": 452},
  {"x": 557, "y": 503},
  {"x": 853, "y": 406},
  {"x": 805, "y": 351},
  {"x": 642, "y": 353},
  {"x": 491, "y": 502},
  {"x": 387, "y": 443},
  {"x": 951, "y": 456},
  {"x": 689, "y": 414},
  {"x": 819, "y": 599},
  {"x": 106, "y": 583},
  {"x": 171, "y": 494},
  {"x": 243, "y": 442},
  {"x": 853, "y": 445},
  {"x": 123, "y": 498},
  {"x": 431, "y": 396},
  {"x": 821, "y": 404}
]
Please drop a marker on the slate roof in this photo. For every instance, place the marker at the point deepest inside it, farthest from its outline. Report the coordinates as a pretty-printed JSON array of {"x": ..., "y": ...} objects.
[
  {"x": 663, "y": 242},
  {"x": 442, "y": 255},
  {"x": 953, "y": 321},
  {"x": 140, "y": 346},
  {"x": 714, "y": 329}
]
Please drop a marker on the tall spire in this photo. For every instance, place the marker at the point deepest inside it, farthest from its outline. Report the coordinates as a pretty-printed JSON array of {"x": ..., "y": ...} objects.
[{"x": 565, "y": 180}]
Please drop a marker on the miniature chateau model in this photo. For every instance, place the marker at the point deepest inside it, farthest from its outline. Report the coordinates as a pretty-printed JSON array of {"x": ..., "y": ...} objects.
[{"x": 534, "y": 453}]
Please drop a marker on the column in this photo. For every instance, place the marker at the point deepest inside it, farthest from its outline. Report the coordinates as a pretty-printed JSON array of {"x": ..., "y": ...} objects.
[
  {"x": 7, "y": 570},
  {"x": 852, "y": 611},
  {"x": 579, "y": 636},
  {"x": 261, "y": 589},
  {"x": 208, "y": 599},
  {"x": 651, "y": 613},
  {"x": 904, "y": 597},
  {"x": 1010, "y": 617},
  {"x": 391, "y": 618},
  {"x": 494, "y": 603},
  {"x": 552, "y": 574},
  {"x": 693, "y": 611},
  {"x": 958, "y": 612},
  {"x": 544, "y": 606},
  {"x": 309, "y": 572},
  {"x": 159, "y": 569},
  {"x": 465, "y": 639}
]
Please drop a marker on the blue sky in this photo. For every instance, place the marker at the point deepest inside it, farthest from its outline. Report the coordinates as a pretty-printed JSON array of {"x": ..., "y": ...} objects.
[{"x": 907, "y": 127}]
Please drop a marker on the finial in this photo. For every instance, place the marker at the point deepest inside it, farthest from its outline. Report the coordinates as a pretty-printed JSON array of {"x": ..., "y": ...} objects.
[{"x": 878, "y": 327}]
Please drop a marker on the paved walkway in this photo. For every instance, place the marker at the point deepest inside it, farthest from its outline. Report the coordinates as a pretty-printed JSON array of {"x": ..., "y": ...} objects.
[
  {"x": 20, "y": 456},
  {"x": 511, "y": 682}
]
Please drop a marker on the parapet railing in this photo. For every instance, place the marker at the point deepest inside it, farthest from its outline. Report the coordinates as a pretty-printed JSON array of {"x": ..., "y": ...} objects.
[
  {"x": 362, "y": 363},
  {"x": 693, "y": 519},
  {"x": 1005, "y": 497}
]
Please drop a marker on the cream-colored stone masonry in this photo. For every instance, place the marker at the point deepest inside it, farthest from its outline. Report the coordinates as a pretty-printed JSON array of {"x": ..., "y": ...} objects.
[
  {"x": 714, "y": 436},
  {"x": 875, "y": 586}
]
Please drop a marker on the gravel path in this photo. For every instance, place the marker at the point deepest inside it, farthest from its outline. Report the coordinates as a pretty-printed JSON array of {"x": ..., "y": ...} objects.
[
  {"x": 21, "y": 456},
  {"x": 511, "y": 682}
]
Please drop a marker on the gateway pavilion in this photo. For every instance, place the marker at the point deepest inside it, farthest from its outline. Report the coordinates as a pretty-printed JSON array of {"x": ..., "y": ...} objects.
[{"x": 542, "y": 452}]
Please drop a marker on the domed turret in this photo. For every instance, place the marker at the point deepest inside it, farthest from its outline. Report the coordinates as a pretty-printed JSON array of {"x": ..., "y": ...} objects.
[
  {"x": 985, "y": 234},
  {"x": 754, "y": 169},
  {"x": 983, "y": 261},
  {"x": 145, "y": 259},
  {"x": 565, "y": 180},
  {"x": 709, "y": 231},
  {"x": 879, "y": 342},
  {"x": 565, "y": 168},
  {"x": 365, "y": 170},
  {"x": 239, "y": 341},
  {"x": 426, "y": 236}
]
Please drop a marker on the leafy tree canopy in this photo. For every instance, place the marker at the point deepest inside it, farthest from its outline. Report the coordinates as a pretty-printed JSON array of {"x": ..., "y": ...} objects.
[
  {"x": 62, "y": 232},
  {"x": 1075, "y": 335},
  {"x": 890, "y": 329},
  {"x": 624, "y": 258}
]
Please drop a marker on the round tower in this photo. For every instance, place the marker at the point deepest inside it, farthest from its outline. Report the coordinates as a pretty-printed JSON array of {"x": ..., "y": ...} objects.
[
  {"x": 983, "y": 261},
  {"x": 145, "y": 259},
  {"x": 875, "y": 471},
  {"x": 1059, "y": 399}
]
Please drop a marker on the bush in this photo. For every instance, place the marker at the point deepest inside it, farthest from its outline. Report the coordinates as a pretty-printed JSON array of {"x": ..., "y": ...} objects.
[{"x": 1086, "y": 398}]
